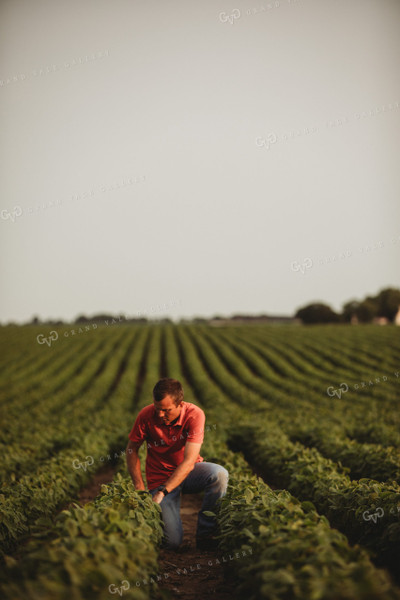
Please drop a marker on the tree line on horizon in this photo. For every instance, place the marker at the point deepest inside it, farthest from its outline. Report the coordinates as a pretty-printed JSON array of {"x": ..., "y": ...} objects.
[{"x": 385, "y": 305}]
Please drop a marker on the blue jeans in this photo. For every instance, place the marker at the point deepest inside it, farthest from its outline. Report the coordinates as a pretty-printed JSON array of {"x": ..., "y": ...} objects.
[{"x": 207, "y": 476}]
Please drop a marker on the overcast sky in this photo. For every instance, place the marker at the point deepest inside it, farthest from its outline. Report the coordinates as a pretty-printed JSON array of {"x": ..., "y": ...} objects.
[{"x": 197, "y": 158}]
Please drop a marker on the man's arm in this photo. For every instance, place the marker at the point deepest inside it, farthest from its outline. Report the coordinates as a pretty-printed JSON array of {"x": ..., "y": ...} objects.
[
  {"x": 133, "y": 464},
  {"x": 192, "y": 450}
]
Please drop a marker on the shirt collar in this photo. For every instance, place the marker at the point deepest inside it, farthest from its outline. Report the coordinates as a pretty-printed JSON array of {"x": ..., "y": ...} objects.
[{"x": 182, "y": 414}]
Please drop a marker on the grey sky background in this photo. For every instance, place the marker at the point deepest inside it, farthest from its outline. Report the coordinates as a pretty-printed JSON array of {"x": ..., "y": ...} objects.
[{"x": 197, "y": 158}]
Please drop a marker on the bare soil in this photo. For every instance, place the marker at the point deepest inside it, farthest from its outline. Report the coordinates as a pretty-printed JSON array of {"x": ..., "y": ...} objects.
[
  {"x": 104, "y": 475},
  {"x": 191, "y": 574},
  {"x": 187, "y": 573}
]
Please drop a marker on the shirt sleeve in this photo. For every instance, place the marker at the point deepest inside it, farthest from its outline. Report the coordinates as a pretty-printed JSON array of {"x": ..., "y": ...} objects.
[
  {"x": 139, "y": 430},
  {"x": 196, "y": 426}
]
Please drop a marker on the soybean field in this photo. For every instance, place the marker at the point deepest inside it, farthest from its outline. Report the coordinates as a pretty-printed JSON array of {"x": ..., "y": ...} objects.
[{"x": 305, "y": 419}]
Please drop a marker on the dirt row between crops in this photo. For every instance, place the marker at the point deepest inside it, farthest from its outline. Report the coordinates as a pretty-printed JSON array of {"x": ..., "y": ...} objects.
[
  {"x": 192, "y": 574},
  {"x": 105, "y": 475},
  {"x": 186, "y": 573}
]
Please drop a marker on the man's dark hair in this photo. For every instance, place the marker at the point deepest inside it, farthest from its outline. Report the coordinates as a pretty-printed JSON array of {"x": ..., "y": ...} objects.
[{"x": 168, "y": 386}]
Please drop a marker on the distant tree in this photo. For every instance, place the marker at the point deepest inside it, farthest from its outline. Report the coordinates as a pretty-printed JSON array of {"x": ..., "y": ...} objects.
[
  {"x": 367, "y": 310},
  {"x": 100, "y": 317},
  {"x": 350, "y": 310},
  {"x": 388, "y": 301},
  {"x": 137, "y": 320},
  {"x": 385, "y": 304},
  {"x": 317, "y": 313},
  {"x": 82, "y": 319}
]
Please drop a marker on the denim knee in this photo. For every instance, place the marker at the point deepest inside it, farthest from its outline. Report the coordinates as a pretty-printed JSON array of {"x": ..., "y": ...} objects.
[
  {"x": 220, "y": 475},
  {"x": 172, "y": 536},
  {"x": 224, "y": 477}
]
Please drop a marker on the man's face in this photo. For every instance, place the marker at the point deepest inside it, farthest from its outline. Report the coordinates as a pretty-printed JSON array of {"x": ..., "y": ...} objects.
[{"x": 166, "y": 409}]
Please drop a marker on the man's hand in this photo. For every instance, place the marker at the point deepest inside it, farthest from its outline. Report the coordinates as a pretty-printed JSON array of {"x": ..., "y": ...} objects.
[{"x": 158, "y": 497}]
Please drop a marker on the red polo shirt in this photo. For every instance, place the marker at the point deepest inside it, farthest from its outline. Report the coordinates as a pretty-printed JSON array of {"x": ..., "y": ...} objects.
[{"x": 166, "y": 443}]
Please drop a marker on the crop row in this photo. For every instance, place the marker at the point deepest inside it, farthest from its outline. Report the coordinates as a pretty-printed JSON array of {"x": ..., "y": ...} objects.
[
  {"x": 350, "y": 505},
  {"x": 343, "y": 340},
  {"x": 294, "y": 551},
  {"x": 298, "y": 367},
  {"x": 94, "y": 434},
  {"x": 93, "y": 551},
  {"x": 291, "y": 369},
  {"x": 89, "y": 552},
  {"x": 31, "y": 360},
  {"x": 363, "y": 459},
  {"x": 52, "y": 431},
  {"x": 31, "y": 391},
  {"x": 250, "y": 370},
  {"x": 350, "y": 497},
  {"x": 50, "y": 421}
]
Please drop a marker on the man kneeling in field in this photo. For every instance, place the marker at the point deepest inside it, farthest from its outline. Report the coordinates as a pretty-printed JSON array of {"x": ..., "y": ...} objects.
[{"x": 174, "y": 431}]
